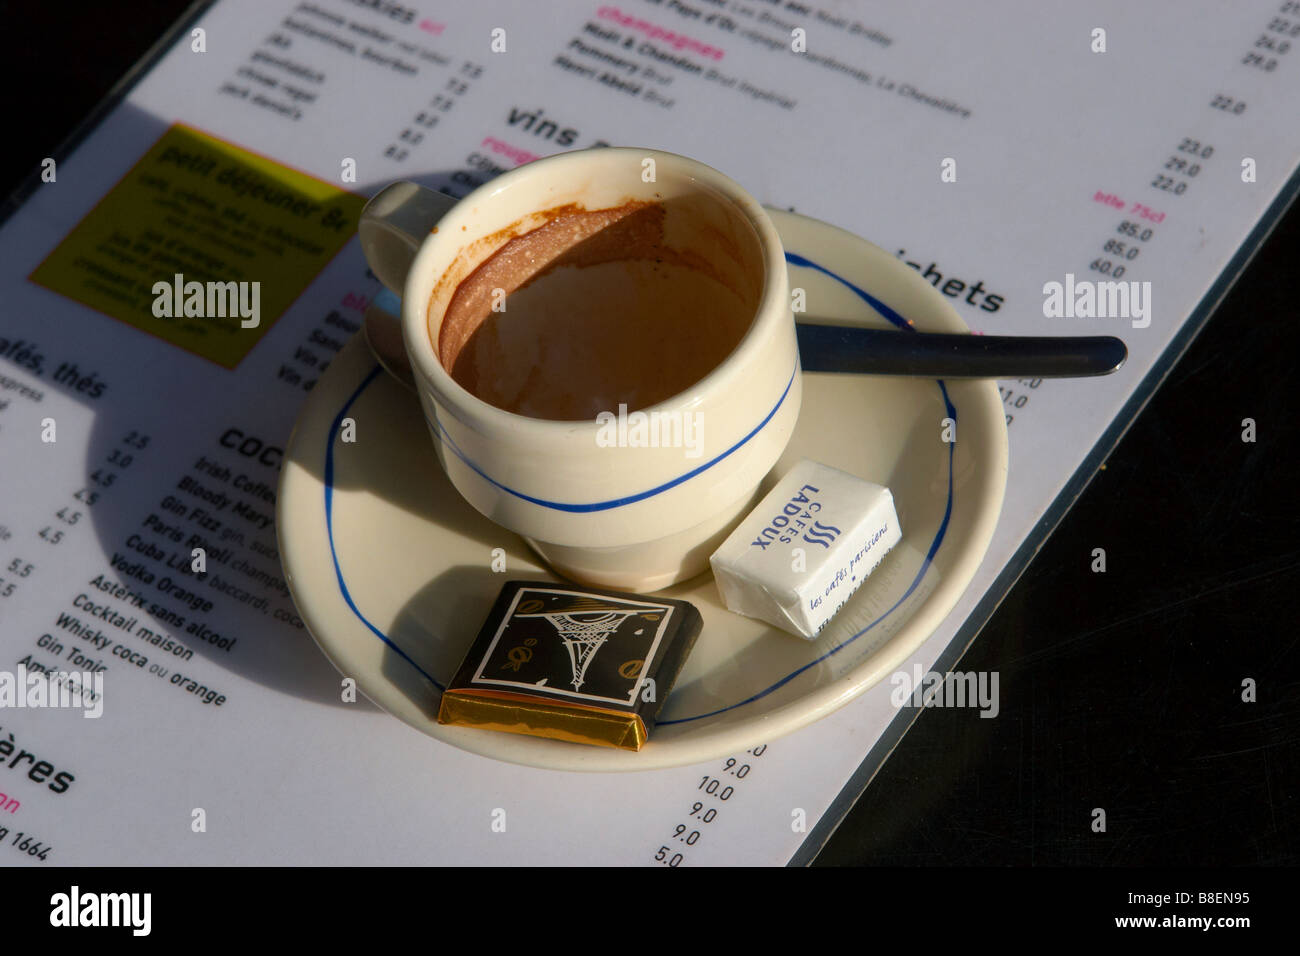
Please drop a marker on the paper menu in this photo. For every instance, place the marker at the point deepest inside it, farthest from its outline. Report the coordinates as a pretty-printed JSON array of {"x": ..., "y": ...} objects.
[{"x": 1045, "y": 137}]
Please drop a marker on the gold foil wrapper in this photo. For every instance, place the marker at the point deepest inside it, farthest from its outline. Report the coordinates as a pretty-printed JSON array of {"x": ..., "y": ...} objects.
[
  {"x": 576, "y": 723},
  {"x": 576, "y": 664}
]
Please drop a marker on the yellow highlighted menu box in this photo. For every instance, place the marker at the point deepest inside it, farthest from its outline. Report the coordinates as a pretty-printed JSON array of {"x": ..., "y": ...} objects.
[{"x": 202, "y": 244}]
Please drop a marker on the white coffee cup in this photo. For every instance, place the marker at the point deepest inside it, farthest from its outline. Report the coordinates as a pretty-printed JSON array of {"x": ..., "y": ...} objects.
[{"x": 636, "y": 518}]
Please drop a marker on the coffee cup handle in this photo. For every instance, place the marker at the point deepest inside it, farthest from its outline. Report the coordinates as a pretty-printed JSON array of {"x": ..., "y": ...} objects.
[{"x": 394, "y": 224}]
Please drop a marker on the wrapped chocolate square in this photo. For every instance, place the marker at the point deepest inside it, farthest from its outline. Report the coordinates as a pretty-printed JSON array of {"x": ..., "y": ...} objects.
[{"x": 576, "y": 664}]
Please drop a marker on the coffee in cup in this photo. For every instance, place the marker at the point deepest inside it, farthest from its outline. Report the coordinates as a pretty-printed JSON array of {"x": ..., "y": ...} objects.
[{"x": 593, "y": 310}]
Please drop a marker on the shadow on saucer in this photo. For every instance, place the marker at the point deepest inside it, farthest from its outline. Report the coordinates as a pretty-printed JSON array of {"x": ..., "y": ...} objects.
[{"x": 435, "y": 629}]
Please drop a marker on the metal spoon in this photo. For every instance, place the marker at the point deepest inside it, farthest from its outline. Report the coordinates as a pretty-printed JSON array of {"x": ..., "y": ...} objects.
[{"x": 839, "y": 348}]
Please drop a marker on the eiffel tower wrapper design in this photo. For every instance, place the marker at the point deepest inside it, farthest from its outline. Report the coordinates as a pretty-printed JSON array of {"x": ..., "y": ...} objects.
[{"x": 575, "y": 664}]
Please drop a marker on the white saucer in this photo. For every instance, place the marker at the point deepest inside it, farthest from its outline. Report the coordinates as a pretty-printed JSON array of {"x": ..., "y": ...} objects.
[{"x": 392, "y": 571}]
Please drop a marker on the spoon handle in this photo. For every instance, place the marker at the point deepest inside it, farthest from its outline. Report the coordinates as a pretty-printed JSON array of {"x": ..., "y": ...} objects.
[{"x": 838, "y": 348}]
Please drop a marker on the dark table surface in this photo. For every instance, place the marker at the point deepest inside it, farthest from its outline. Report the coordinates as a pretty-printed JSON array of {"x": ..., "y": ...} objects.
[{"x": 1120, "y": 691}]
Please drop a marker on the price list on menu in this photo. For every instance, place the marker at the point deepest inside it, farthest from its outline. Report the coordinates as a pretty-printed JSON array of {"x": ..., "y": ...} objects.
[{"x": 1016, "y": 158}]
